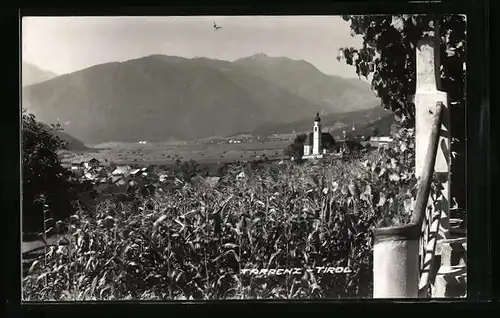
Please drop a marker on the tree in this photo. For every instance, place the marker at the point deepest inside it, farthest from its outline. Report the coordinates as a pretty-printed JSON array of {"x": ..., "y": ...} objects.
[
  {"x": 45, "y": 181},
  {"x": 388, "y": 55},
  {"x": 296, "y": 148}
]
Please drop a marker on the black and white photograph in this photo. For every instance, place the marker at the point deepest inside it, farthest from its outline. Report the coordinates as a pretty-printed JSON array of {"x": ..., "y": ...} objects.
[{"x": 188, "y": 158}]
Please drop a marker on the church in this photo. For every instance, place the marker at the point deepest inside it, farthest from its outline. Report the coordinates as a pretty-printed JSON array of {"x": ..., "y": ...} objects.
[{"x": 318, "y": 143}]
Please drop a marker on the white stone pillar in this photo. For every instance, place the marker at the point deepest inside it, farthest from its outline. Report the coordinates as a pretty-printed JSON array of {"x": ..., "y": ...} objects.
[{"x": 426, "y": 96}]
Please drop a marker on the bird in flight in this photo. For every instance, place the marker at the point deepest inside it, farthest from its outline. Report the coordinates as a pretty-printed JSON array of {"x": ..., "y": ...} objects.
[{"x": 217, "y": 27}]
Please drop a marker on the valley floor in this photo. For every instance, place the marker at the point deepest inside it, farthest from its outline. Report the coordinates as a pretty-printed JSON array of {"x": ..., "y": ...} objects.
[{"x": 167, "y": 153}]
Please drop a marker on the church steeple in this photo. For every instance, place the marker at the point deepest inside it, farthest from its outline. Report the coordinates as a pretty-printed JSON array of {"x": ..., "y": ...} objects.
[{"x": 316, "y": 135}]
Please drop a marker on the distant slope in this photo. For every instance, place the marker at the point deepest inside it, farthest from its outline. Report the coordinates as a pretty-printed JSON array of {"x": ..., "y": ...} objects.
[
  {"x": 32, "y": 74},
  {"x": 332, "y": 122},
  {"x": 382, "y": 125},
  {"x": 337, "y": 94},
  {"x": 159, "y": 97},
  {"x": 72, "y": 142}
]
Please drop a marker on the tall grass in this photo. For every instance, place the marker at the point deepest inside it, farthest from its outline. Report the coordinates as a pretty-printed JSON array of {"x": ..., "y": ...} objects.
[{"x": 192, "y": 241}]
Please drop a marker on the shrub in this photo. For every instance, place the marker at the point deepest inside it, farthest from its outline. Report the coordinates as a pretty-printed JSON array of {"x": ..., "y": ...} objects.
[
  {"x": 45, "y": 181},
  {"x": 189, "y": 169}
]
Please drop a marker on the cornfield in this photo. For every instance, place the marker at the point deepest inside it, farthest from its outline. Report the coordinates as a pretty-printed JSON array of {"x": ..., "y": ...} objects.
[{"x": 193, "y": 240}]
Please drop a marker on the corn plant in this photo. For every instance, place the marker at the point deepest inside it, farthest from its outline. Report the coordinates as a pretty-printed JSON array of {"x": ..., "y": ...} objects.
[{"x": 188, "y": 240}]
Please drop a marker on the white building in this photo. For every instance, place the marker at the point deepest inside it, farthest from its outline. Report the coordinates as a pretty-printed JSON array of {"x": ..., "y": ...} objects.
[
  {"x": 382, "y": 141},
  {"x": 385, "y": 139},
  {"x": 317, "y": 142}
]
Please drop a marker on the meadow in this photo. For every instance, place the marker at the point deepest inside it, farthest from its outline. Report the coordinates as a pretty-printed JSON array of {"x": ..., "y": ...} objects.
[
  {"x": 168, "y": 153},
  {"x": 192, "y": 236}
]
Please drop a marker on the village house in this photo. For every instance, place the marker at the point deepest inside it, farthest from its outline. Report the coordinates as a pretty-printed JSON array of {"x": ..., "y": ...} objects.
[
  {"x": 318, "y": 143},
  {"x": 378, "y": 142}
]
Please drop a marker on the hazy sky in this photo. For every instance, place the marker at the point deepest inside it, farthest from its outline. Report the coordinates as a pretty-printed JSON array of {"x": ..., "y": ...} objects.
[{"x": 66, "y": 44}]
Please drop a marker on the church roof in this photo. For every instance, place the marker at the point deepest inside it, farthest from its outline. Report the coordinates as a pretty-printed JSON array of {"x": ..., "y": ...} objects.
[
  {"x": 317, "y": 117},
  {"x": 326, "y": 138}
]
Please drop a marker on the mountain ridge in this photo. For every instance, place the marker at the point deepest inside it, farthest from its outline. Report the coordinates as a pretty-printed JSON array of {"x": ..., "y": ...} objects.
[
  {"x": 310, "y": 83},
  {"x": 32, "y": 74},
  {"x": 159, "y": 97}
]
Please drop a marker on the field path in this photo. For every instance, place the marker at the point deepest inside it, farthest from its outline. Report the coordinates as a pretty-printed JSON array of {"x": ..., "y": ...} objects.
[{"x": 29, "y": 246}]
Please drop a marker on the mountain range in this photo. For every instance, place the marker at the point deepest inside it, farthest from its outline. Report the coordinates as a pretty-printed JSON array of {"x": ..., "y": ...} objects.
[{"x": 159, "y": 98}]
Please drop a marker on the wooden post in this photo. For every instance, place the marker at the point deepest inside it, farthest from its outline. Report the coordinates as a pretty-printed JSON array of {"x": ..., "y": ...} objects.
[
  {"x": 426, "y": 95},
  {"x": 395, "y": 254}
]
